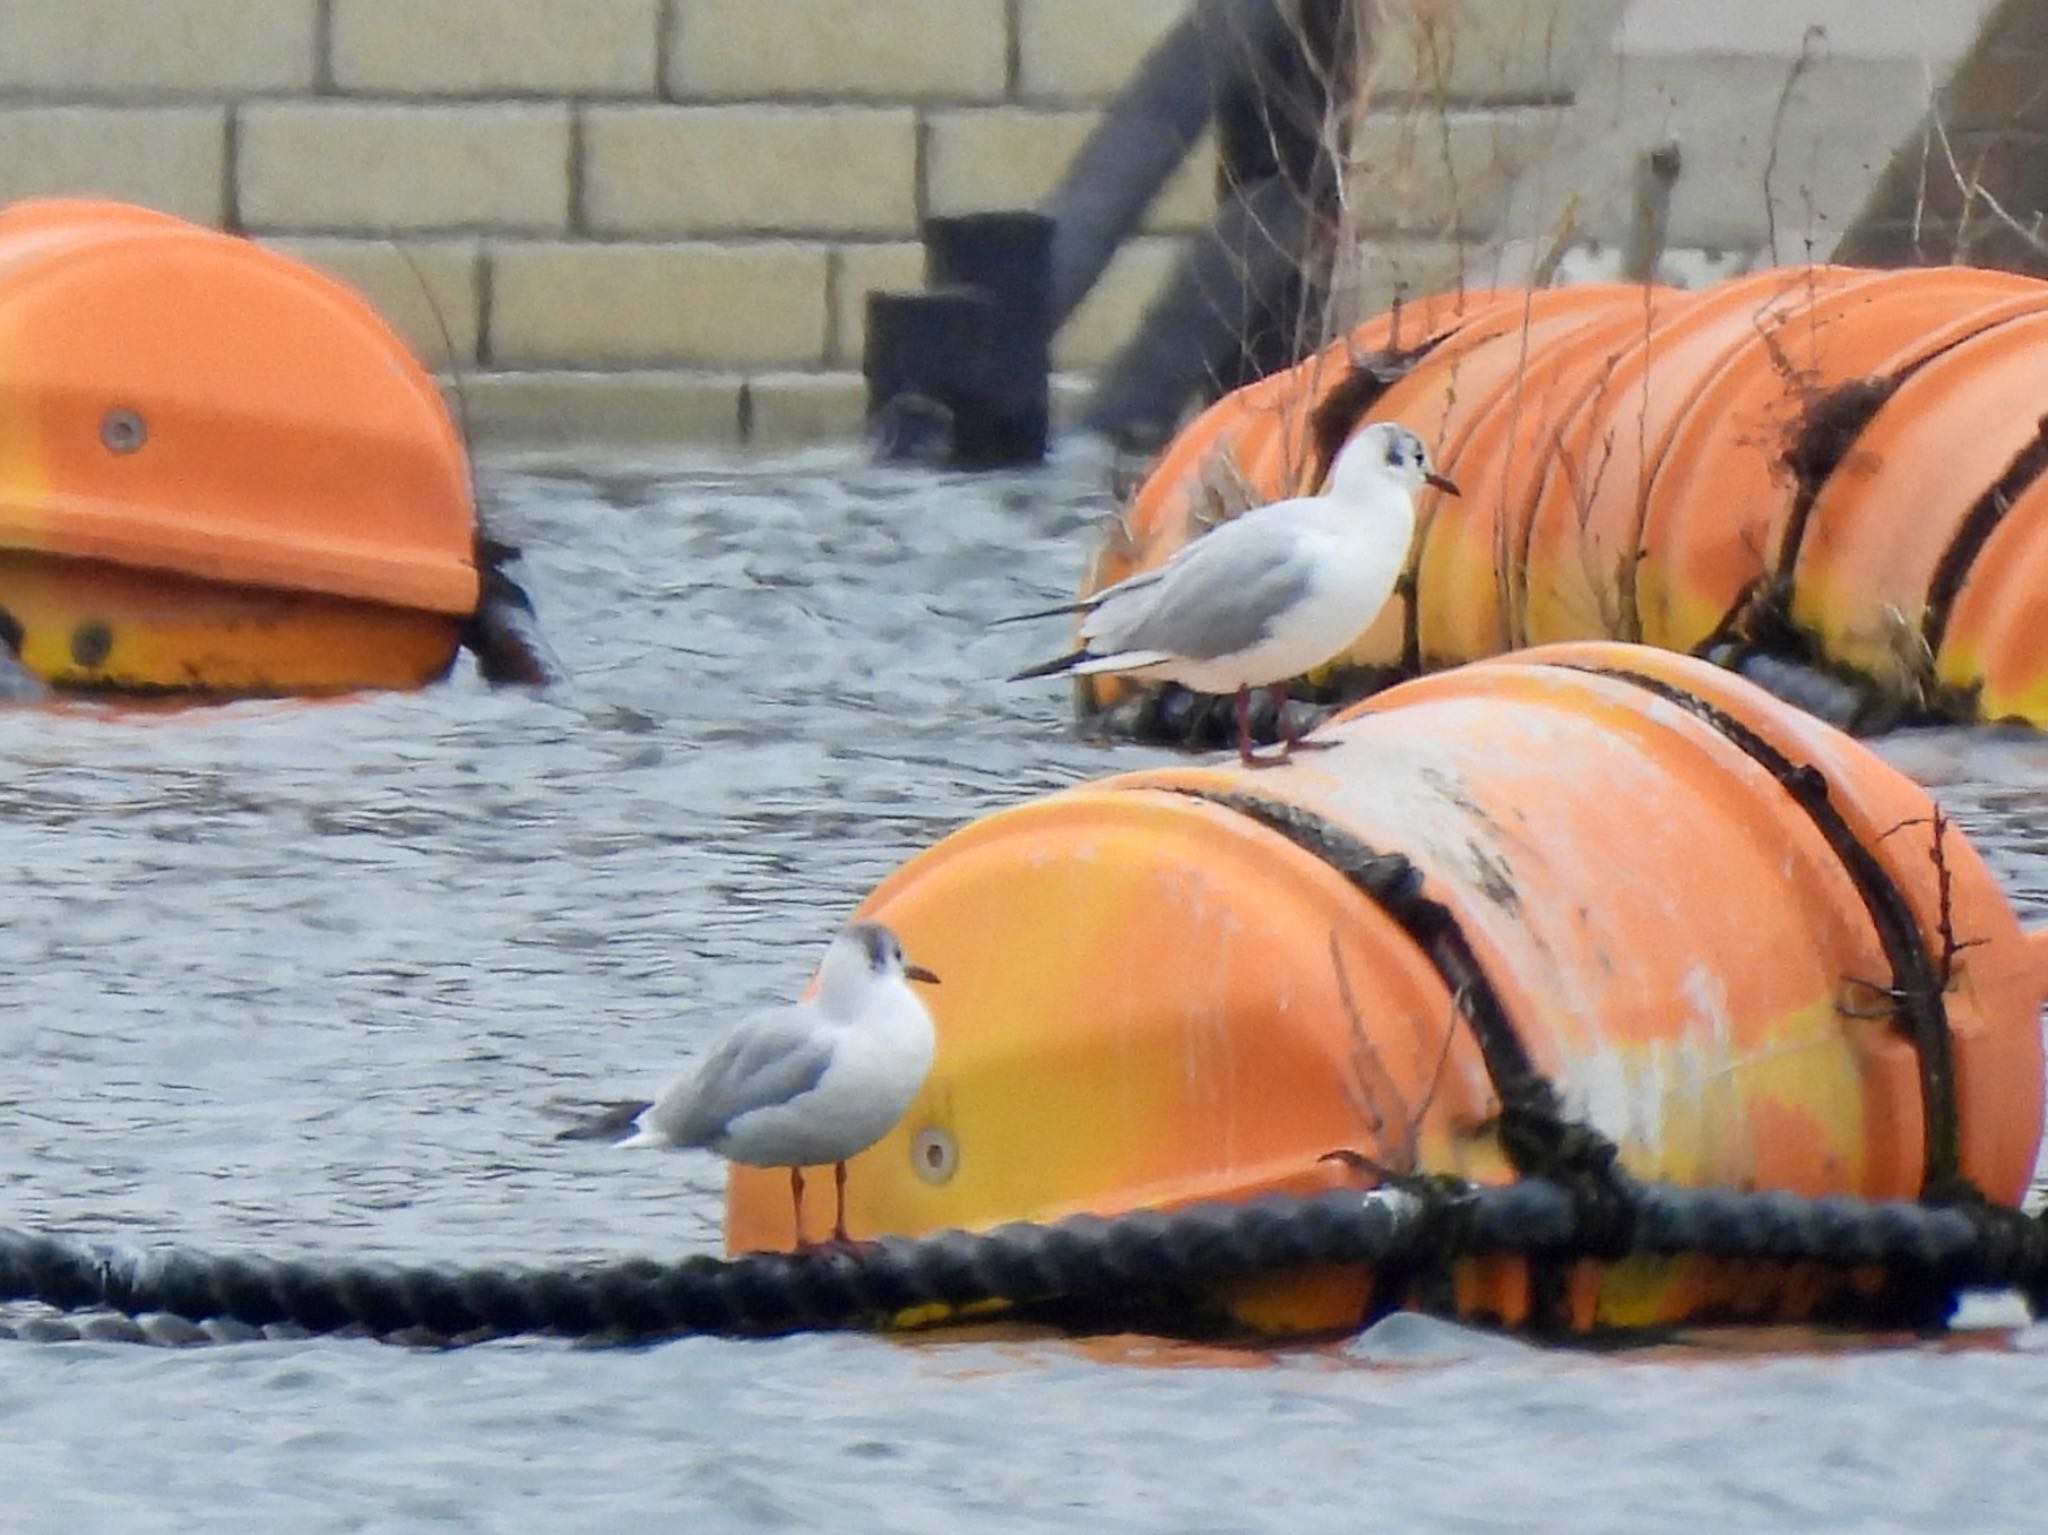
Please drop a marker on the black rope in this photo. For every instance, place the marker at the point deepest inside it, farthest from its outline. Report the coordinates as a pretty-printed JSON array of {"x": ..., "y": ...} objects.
[
  {"x": 1821, "y": 443},
  {"x": 758, "y": 1294},
  {"x": 1952, "y": 571},
  {"x": 178, "y": 1295},
  {"x": 1916, "y": 994}
]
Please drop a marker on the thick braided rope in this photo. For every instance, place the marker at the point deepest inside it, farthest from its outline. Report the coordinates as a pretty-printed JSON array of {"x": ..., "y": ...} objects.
[
  {"x": 757, "y": 1294},
  {"x": 178, "y": 1295}
]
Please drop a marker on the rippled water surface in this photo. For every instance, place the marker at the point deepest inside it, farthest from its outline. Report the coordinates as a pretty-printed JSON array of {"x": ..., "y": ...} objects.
[{"x": 303, "y": 978}]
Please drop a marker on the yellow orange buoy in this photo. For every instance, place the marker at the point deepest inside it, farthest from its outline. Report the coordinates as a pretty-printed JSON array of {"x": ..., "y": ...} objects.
[
  {"x": 219, "y": 471},
  {"x": 1702, "y": 926}
]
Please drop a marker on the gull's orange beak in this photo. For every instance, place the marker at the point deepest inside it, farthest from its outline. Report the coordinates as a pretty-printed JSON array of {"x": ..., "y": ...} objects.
[
  {"x": 919, "y": 973},
  {"x": 1448, "y": 487}
]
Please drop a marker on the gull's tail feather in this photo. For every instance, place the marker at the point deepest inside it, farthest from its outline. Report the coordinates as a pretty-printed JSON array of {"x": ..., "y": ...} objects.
[
  {"x": 613, "y": 1122},
  {"x": 1118, "y": 661},
  {"x": 1065, "y": 663},
  {"x": 1086, "y": 604}
]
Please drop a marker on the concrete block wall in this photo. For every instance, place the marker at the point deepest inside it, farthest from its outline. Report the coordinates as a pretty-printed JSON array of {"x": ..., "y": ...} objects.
[
  {"x": 1465, "y": 104},
  {"x": 1503, "y": 137},
  {"x": 659, "y": 218},
  {"x": 606, "y": 217},
  {"x": 1970, "y": 182},
  {"x": 1784, "y": 113}
]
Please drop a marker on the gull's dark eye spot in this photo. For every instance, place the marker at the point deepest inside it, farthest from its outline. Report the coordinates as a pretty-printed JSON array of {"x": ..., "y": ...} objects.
[{"x": 878, "y": 943}]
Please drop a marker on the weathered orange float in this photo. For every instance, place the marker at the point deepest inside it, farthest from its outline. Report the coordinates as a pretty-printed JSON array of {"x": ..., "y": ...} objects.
[
  {"x": 1821, "y": 465},
  {"x": 220, "y": 472},
  {"x": 1738, "y": 944}
]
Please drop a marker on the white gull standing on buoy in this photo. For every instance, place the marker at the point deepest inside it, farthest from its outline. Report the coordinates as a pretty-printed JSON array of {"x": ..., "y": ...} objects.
[
  {"x": 1268, "y": 595},
  {"x": 800, "y": 1086}
]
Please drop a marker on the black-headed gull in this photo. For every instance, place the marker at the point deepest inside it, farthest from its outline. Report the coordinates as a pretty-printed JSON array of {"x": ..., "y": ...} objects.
[
  {"x": 1268, "y": 595},
  {"x": 800, "y": 1086}
]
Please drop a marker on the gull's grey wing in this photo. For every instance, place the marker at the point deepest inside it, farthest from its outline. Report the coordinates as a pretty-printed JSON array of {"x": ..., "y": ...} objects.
[
  {"x": 1219, "y": 595},
  {"x": 767, "y": 1060}
]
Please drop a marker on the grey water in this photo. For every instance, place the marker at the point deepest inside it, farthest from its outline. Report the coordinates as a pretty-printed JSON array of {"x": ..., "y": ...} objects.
[{"x": 303, "y": 978}]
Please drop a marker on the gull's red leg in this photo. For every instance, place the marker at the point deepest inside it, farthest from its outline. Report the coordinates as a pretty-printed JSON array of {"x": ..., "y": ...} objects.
[
  {"x": 1244, "y": 713},
  {"x": 1290, "y": 742}
]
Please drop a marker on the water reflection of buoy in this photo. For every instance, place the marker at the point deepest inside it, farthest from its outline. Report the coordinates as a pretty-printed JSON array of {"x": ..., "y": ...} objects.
[
  {"x": 1816, "y": 467},
  {"x": 1706, "y": 928},
  {"x": 220, "y": 472}
]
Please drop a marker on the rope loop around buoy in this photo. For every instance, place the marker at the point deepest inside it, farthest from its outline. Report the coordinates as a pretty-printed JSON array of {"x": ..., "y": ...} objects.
[
  {"x": 1916, "y": 994},
  {"x": 1538, "y": 1137}
]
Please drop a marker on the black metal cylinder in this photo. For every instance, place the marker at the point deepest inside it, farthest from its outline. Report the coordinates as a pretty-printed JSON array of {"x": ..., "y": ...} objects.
[{"x": 1007, "y": 255}]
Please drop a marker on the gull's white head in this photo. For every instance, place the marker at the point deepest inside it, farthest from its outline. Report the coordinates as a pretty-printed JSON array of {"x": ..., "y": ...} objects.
[
  {"x": 1384, "y": 453},
  {"x": 863, "y": 956}
]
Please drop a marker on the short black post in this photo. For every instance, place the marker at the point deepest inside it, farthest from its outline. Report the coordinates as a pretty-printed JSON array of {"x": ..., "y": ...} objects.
[
  {"x": 998, "y": 395},
  {"x": 928, "y": 363}
]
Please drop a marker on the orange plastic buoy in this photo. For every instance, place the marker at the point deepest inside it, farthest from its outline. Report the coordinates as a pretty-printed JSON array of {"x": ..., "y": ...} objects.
[
  {"x": 1781, "y": 971},
  {"x": 1993, "y": 646},
  {"x": 219, "y": 470},
  {"x": 1757, "y": 468},
  {"x": 1882, "y": 529},
  {"x": 1488, "y": 397}
]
